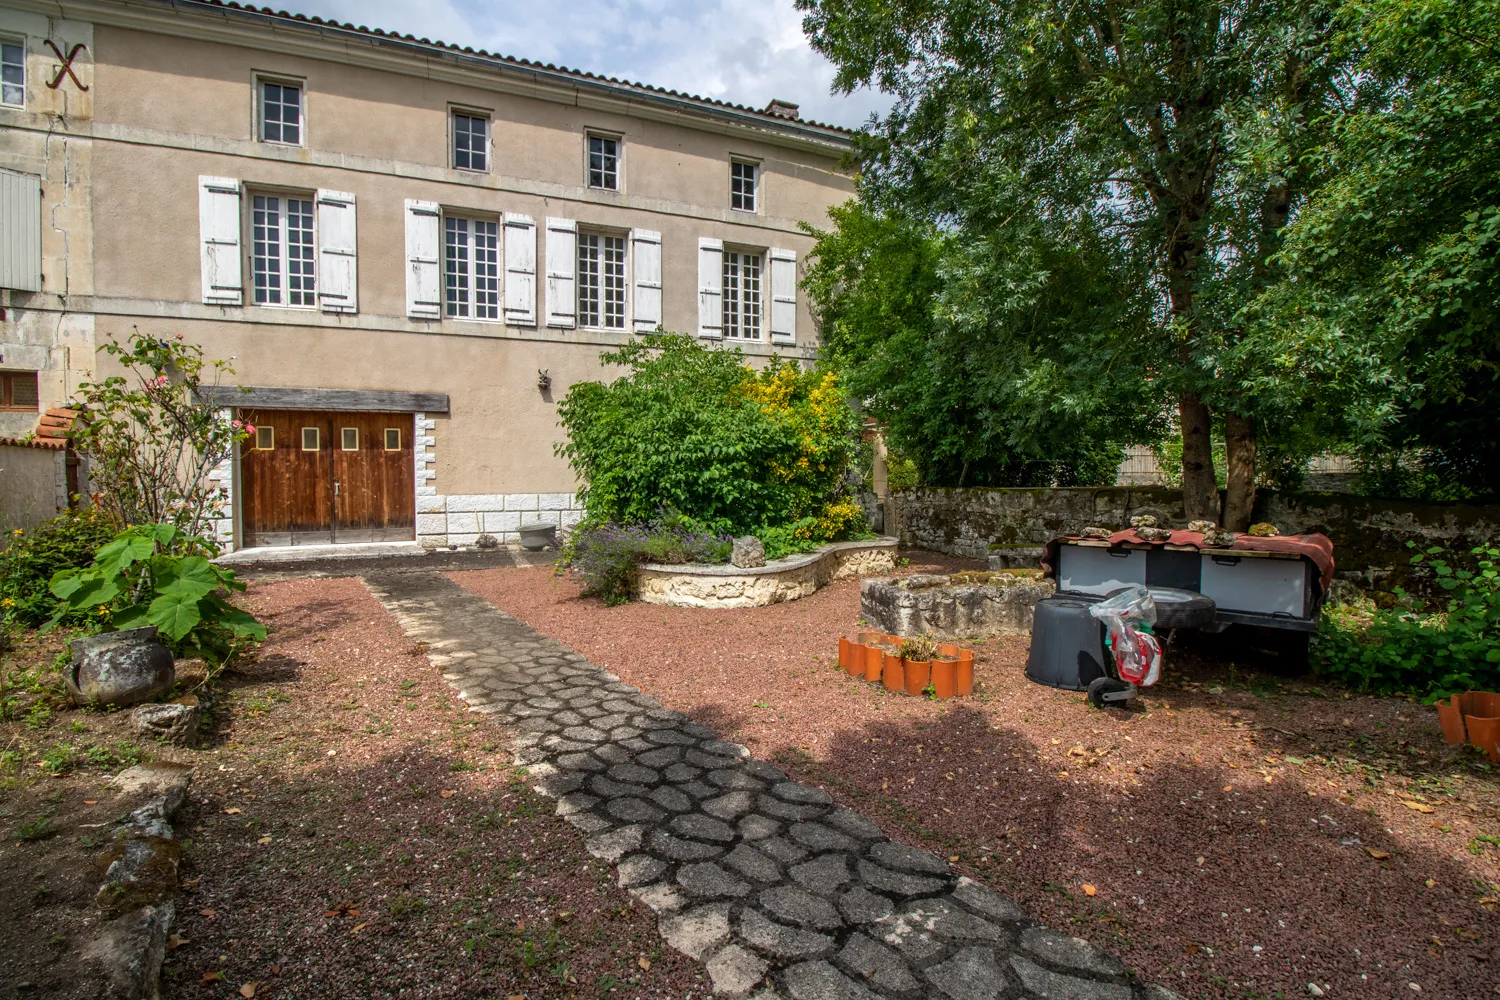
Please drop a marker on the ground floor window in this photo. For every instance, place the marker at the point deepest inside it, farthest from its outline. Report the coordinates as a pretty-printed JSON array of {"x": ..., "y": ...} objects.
[
  {"x": 742, "y": 295},
  {"x": 601, "y": 281}
]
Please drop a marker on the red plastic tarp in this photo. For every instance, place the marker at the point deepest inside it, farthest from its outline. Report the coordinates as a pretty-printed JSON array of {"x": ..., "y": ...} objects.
[{"x": 1318, "y": 548}]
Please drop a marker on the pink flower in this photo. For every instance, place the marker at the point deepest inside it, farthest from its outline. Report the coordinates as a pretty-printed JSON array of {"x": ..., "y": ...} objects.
[
  {"x": 236, "y": 425},
  {"x": 249, "y": 428}
]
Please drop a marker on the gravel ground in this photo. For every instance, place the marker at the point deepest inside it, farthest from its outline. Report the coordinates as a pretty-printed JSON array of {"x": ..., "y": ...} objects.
[
  {"x": 356, "y": 833},
  {"x": 1233, "y": 835}
]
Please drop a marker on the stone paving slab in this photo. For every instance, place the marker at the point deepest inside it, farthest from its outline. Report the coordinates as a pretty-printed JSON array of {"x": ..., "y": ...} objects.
[{"x": 777, "y": 890}]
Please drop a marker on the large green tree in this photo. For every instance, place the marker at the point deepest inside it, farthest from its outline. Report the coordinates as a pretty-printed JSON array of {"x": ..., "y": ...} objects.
[
  {"x": 1173, "y": 131},
  {"x": 1396, "y": 257}
]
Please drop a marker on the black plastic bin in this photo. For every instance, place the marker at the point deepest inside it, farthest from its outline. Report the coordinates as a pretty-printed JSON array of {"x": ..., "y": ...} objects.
[{"x": 1067, "y": 643}]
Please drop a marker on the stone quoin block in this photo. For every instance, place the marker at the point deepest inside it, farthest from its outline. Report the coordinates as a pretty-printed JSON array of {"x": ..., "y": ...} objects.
[
  {"x": 521, "y": 501},
  {"x": 463, "y": 523},
  {"x": 475, "y": 502},
  {"x": 432, "y": 524},
  {"x": 501, "y": 520}
]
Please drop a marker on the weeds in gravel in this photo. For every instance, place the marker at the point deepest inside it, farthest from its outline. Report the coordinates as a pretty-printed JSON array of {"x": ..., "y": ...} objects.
[
  {"x": 37, "y": 829},
  {"x": 63, "y": 757}
]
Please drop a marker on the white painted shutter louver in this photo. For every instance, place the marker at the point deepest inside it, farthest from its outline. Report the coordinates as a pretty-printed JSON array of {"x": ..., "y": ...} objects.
[
  {"x": 21, "y": 237},
  {"x": 783, "y": 296},
  {"x": 562, "y": 261},
  {"x": 219, "y": 232},
  {"x": 520, "y": 270},
  {"x": 710, "y": 287},
  {"x": 423, "y": 287},
  {"x": 646, "y": 246},
  {"x": 338, "y": 271}
]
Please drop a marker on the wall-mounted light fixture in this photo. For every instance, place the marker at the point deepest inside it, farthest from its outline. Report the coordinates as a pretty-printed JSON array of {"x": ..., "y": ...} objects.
[{"x": 543, "y": 380}]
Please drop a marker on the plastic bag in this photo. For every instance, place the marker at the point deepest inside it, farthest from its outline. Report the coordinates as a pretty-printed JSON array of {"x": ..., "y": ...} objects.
[{"x": 1137, "y": 653}]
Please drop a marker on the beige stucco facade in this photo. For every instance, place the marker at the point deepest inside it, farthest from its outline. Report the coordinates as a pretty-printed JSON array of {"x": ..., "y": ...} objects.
[{"x": 172, "y": 104}]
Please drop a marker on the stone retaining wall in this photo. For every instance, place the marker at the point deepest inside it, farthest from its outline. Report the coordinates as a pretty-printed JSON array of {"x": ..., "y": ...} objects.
[
  {"x": 1009, "y": 526},
  {"x": 724, "y": 586}
]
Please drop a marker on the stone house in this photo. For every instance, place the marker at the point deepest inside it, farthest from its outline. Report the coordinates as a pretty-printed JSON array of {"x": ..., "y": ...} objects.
[{"x": 409, "y": 249}]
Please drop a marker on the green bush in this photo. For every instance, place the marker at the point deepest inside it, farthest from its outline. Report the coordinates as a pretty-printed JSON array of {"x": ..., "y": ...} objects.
[
  {"x": 1429, "y": 652},
  {"x": 694, "y": 429},
  {"x": 139, "y": 579},
  {"x": 67, "y": 541}
]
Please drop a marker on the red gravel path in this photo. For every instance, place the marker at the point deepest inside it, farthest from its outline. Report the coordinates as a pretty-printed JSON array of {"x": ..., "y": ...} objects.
[
  {"x": 356, "y": 833},
  {"x": 1224, "y": 842}
]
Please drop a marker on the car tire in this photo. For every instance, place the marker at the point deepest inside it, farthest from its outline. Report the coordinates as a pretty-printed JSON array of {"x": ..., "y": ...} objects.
[{"x": 1180, "y": 608}]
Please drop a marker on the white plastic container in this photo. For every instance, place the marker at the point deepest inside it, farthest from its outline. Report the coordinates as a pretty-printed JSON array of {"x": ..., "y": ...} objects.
[
  {"x": 1090, "y": 569},
  {"x": 1256, "y": 584}
]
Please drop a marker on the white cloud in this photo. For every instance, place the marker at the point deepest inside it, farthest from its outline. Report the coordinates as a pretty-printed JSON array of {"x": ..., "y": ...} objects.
[{"x": 738, "y": 52}]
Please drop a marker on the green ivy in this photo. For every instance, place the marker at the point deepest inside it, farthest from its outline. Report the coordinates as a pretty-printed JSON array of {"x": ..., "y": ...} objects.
[{"x": 1429, "y": 652}]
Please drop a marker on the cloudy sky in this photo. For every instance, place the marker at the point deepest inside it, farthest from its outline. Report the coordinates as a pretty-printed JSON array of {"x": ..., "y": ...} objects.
[{"x": 745, "y": 52}]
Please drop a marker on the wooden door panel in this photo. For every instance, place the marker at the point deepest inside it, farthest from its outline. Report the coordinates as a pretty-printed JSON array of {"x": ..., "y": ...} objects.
[
  {"x": 376, "y": 498},
  {"x": 287, "y": 492}
]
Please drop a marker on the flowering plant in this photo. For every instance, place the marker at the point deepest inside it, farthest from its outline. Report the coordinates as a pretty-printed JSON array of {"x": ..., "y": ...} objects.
[{"x": 152, "y": 438}]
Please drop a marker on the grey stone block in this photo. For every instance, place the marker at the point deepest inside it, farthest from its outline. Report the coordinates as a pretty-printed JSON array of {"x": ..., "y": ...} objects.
[
  {"x": 798, "y": 906},
  {"x": 707, "y": 880},
  {"x": 1049, "y": 985},
  {"x": 907, "y": 859},
  {"x": 817, "y": 980},
  {"x": 735, "y": 971},
  {"x": 778, "y": 940},
  {"x": 1072, "y": 952},
  {"x": 822, "y": 875},
  {"x": 972, "y": 974},
  {"x": 899, "y": 883},
  {"x": 877, "y": 963},
  {"x": 698, "y": 931}
]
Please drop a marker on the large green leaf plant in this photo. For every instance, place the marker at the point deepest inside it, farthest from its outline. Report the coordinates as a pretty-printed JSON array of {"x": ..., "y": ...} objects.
[{"x": 137, "y": 579}]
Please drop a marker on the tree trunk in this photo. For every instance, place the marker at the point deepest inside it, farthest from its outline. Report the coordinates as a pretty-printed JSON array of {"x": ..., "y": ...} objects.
[
  {"x": 1239, "y": 498},
  {"x": 1200, "y": 490}
]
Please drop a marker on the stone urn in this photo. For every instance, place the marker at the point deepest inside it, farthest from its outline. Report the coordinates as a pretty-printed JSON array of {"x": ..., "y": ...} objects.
[
  {"x": 119, "y": 668},
  {"x": 535, "y": 537}
]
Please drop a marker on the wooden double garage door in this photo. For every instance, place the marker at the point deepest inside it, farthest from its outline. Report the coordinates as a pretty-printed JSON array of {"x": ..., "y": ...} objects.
[{"x": 314, "y": 477}]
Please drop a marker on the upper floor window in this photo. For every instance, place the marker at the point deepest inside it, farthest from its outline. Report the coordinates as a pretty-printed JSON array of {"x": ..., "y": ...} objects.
[
  {"x": 471, "y": 268},
  {"x": 18, "y": 391},
  {"x": 12, "y": 73},
  {"x": 601, "y": 281},
  {"x": 742, "y": 181},
  {"x": 742, "y": 295},
  {"x": 283, "y": 260},
  {"x": 280, "y": 112},
  {"x": 471, "y": 141},
  {"x": 604, "y": 162}
]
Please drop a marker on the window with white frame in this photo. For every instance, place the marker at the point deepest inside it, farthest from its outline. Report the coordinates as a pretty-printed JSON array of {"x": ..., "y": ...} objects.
[
  {"x": 742, "y": 178},
  {"x": 283, "y": 255},
  {"x": 471, "y": 268},
  {"x": 742, "y": 295},
  {"x": 12, "y": 72},
  {"x": 280, "y": 112},
  {"x": 601, "y": 281},
  {"x": 471, "y": 141},
  {"x": 604, "y": 162}
]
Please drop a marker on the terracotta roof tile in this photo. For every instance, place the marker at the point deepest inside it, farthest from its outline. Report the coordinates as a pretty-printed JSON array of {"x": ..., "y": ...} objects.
[
  {"x": 51, "y": 431},
  {"x": 516, "y": 61}
]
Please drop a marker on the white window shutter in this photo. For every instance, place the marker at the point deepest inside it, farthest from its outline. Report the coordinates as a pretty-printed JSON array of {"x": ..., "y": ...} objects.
[
  {"x": 783, "y": 296},
  {"x": 423, "y": 287},
  {"x": 710, "y": 287},
  {"x": 646, "y": 246},
  {"x": 562, "y": 261},
  {"x": 219, "y": 231},
  {"x": 338, "y": 272},
  {"x": 21, "y": 232},
  {"x": 520, "y": 270}
]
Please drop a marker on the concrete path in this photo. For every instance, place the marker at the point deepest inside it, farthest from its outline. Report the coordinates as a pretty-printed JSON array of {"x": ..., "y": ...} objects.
[{"x": 779, "y": 892}]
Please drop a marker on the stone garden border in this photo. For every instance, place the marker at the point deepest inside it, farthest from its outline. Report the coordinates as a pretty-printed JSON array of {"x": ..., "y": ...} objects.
[
  {"x": 704, "y": 585},
  {"x": 956, "y": 606}
]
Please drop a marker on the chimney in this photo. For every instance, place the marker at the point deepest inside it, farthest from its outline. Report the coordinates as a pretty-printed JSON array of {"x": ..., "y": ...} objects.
[{"x": 782, "y": 109}]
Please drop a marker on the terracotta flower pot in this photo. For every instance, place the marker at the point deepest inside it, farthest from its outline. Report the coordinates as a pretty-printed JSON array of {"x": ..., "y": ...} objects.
[
  {"x": 1484, "y": 704},
  {"x": 944, "y": 676},
  {"x": 846, "y": 651},
  {"x": 891, "y": 672},
  {"x": 917, "y": 674},
  {"x": 963, "y": 681},
  {"x": 1484, "y": 733},
  {"x": 1451, "y": 721},
  {"x": 873, "y": 660}
]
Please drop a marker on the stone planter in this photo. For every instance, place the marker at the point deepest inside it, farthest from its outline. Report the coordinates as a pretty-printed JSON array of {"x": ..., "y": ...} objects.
[
  {"x": 119, "y": 668},
  {"x": 704, "y": 585},
  {"x": 963, "y": 605}
]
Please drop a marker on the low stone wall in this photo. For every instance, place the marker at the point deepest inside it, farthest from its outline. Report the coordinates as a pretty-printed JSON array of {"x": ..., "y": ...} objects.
[
  {"x": 953, "y": 607},
  {"x": 696, "y": 585},
  {"x": 1009, "y": 526},
  {"x": 33, "y": 486}
]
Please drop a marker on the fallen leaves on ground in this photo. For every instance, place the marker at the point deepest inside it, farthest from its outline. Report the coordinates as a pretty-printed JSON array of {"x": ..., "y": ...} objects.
[{"x": 1089, "y": 890}]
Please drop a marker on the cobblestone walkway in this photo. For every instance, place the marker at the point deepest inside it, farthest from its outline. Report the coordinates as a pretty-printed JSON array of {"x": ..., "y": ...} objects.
[{"x": 779, "y": 892}]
